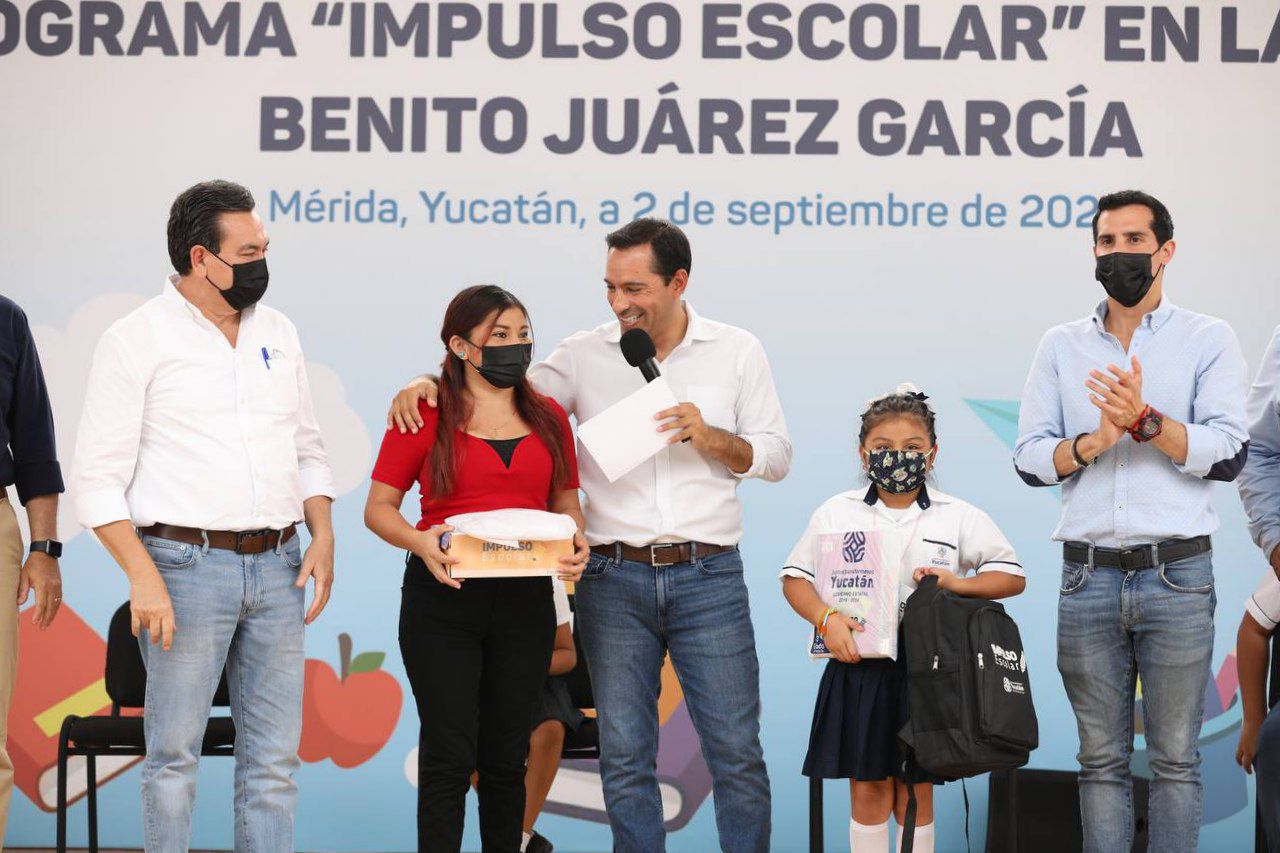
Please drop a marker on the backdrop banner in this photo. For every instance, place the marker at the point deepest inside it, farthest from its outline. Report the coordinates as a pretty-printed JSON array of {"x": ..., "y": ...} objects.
[{"x": 879, "y": 191}]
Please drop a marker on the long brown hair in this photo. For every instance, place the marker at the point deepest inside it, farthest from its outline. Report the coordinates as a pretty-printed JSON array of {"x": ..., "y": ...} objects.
[{"x": 470, "y": 308}]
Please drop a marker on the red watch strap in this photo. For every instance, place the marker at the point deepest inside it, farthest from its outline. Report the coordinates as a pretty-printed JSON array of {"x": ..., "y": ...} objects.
[{"x": 1133, "y": 428}]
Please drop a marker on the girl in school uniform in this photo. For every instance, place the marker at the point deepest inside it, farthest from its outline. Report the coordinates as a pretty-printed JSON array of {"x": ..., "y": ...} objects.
[{"x": 862, "y": 703}]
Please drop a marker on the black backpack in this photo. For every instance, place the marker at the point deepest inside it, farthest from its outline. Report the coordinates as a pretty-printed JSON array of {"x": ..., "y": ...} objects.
[{"x": 967, "y": 685}]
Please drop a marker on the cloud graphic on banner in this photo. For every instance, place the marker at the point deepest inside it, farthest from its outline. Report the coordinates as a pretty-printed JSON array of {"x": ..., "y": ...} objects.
[{"x": 65, "y": 356}]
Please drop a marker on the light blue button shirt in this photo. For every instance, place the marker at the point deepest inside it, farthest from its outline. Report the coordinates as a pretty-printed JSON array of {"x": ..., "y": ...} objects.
[
  {"x": 1260, "y": 479},
  {"x": 1192, "y": 371}
]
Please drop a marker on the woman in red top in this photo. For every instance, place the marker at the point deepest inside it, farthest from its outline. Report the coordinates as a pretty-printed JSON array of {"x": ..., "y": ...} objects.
[{"x": 476, "y": 653}]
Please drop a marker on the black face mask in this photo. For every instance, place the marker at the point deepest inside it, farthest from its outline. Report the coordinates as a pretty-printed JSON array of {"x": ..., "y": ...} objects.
[
  {"x": 1126, "y": 276},
  {"x": 248, "y": 283},
  {"x": 504, "y": 367}
]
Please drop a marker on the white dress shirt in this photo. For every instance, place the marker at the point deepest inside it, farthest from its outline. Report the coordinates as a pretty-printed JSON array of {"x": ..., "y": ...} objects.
[
  {"x": 682, "y": 494},
  {"x": 936, "y": 531},
  {"x": 181, "y": 428}
]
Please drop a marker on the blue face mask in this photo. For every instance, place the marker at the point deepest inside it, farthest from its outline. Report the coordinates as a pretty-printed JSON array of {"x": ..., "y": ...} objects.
[{"x": 897, "y": 471}]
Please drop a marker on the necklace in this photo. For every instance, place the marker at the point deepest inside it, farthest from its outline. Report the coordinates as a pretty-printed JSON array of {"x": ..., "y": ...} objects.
[{"x": 495, "y": 430}]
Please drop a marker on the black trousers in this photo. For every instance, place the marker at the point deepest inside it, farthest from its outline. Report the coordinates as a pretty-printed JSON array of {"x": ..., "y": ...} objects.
[{"x": 476, "y": 658}]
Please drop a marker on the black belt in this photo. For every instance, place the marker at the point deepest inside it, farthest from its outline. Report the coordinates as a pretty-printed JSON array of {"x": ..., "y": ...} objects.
[
  {"x": 1139, "y": 556},
  {"x": 662, "y": 555}
]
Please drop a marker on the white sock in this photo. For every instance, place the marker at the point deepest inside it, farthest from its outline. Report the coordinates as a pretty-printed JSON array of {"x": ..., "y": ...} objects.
[
  {"x": 525, "y": 838},
  {"x": 868, "y": 839},
  {"x": 923, "y": 839}
]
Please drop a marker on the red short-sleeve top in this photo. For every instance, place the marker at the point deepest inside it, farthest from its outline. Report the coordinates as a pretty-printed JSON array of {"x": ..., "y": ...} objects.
[{"x": 483, "y": 482}]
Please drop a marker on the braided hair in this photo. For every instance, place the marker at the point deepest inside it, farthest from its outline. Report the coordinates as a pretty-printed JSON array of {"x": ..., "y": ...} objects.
[{"x": 905, "y": 401}]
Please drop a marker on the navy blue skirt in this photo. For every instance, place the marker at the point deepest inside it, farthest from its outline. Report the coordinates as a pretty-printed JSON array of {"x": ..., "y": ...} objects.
[{"x": 856, "y": 719}]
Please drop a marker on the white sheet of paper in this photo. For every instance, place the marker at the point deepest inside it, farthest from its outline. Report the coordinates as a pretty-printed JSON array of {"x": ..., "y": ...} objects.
[{"x": 625, "y": 434}]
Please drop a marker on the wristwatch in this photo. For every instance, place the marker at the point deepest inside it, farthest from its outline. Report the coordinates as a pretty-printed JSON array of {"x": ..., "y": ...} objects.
[
  {"x": 1148, "y": 425},
  {"x": 52, "y": 547}
]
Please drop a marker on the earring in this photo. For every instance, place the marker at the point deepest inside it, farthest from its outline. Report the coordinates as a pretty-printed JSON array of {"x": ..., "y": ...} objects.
[{"x": 462, "y": 355}]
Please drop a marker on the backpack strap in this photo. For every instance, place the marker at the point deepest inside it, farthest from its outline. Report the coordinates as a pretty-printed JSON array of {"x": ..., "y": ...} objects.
[{"x": 907, "y": 831}]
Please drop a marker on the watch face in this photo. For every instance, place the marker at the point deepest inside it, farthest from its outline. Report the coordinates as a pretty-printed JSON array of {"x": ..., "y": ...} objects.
[{"x": 1150, "y": 426}]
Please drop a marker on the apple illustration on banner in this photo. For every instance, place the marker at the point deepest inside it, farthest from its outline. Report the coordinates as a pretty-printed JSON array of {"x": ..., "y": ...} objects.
[{"x": 348, "y": 716}]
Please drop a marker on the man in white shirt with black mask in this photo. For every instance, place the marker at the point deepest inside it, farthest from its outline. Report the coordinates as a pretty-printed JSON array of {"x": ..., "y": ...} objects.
[
  {"x": 665, "y": 574},
  {"x": 197, "y": 455}
]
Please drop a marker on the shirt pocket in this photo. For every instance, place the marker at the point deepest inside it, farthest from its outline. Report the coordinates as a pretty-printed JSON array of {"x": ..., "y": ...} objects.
[
  {"x": 276, "y": 386},
  {"x": 716, "y": 404}
]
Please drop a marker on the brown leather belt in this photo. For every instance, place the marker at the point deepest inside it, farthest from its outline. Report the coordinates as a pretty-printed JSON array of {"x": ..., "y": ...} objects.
[
  {"x": 242, "y": 542},
  {"x": 662, "y": 555}
]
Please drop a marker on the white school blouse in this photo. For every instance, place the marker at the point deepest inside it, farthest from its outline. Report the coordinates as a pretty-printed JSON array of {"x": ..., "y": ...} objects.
[
  {"x": 945, "y": 533},
  {"x": 1264, "y": 604}
]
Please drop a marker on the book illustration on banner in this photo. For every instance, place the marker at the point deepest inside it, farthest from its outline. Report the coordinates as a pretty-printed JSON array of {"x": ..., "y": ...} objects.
[
  {"x": 350, "y": 715},
  {"x": 852, "y": 578},
  {"x": 684, "y": 782},
  {"x": 508, "y": 543},
  {"x": 60, "y": 673}
]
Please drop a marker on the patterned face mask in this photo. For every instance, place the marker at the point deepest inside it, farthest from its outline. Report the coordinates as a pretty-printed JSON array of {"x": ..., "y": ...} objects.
[{"x": 897, "y": 471}]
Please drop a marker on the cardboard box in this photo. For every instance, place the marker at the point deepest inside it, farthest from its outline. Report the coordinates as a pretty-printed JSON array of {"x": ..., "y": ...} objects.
[{"x": 527, "y": 559}]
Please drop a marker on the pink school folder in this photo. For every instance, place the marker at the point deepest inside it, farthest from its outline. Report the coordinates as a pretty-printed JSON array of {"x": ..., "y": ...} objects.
[{"x": 852, "y": 578}]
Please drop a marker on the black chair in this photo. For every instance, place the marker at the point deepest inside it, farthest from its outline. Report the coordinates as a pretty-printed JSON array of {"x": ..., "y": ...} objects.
[
  {"x": 585, "y": 742},
  {"x": 1273, "y": 697},
  {"x": 90, "y": 737}
]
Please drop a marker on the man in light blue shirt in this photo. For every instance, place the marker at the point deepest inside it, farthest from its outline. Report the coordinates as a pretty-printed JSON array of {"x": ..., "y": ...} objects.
[
  {"x": 1135, "y": 410},
  {"x": 1260, "y": 479}
]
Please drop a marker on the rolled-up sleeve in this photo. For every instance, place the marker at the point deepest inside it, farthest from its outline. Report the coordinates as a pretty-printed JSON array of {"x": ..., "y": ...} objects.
[
  {"x": 760, "y": 420},
  {"x": 110, "y": 430},
  {"x": 1259, "y": 481},
  {"x": 1040, "y": 420},
  {"x": 1217, "y": 438},
  {"x": 30, "y": 420},
  {"x": 315, "y": 477},
  {"x": 554, "y": 377}
]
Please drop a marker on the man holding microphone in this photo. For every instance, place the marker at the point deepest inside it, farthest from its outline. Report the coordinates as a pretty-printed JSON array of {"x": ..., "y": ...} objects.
[{"x": 665, "y": 574}]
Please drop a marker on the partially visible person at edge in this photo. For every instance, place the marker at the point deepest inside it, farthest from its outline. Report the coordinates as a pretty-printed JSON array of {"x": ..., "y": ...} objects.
[
  {"x": 1260, "y": 493},
  {"x": 29, "y": 461}
]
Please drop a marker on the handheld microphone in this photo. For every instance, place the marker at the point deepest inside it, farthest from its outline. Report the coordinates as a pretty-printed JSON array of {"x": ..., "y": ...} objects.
[{"x": 639, "y": 351}]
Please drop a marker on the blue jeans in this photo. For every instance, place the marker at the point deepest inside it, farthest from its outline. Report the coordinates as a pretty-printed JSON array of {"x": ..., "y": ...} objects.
[
  {"x": 1114, "y": 627},
  {"x": 1266, "y": 765},
  {"x": 246, "y": 613},
  {"x": 630, "y": 615}
]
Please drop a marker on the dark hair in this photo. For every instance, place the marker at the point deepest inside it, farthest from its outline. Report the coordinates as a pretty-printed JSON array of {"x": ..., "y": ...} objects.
[
  {"x": 900, "y": 404},
  {"x": 193, "y": 218},
  {"x": 470, "y": 308},
  {"x": 1161, "y": 221},
  {"x": 671, "y": 252}
]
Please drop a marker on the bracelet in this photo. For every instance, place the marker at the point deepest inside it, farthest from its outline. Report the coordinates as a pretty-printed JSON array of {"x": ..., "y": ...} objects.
[
  {"x": 822, "y": 626},
  {"x": 1075, "y": 452}
]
